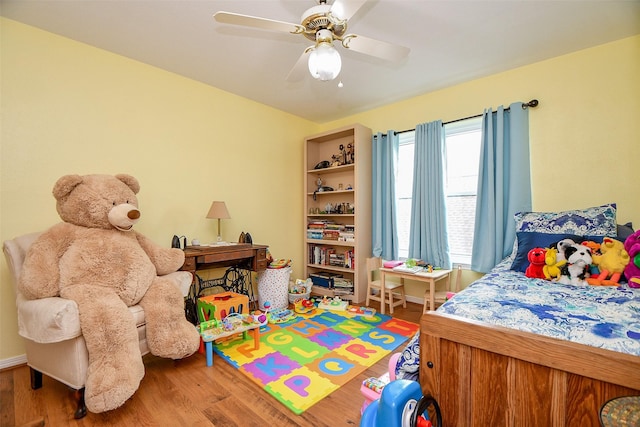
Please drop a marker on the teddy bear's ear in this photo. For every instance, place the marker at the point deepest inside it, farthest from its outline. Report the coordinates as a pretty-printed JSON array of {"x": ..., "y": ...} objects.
[
  {"x": 131, "y": 182},
  {"x": 65, "y": 185}
]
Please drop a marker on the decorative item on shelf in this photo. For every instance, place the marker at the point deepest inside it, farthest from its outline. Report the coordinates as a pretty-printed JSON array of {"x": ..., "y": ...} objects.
[
  {"x": 218, "y": 210},
  {"x": 322, "y": 165}
]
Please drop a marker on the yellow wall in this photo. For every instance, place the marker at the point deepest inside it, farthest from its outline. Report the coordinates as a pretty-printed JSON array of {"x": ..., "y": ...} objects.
[{"x": 72, "y": 108}]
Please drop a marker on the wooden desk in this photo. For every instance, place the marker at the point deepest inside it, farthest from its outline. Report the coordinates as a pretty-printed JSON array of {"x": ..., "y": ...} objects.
[
  {"x": 430, "y": 278},
  {"x": 241, "y": 258},
  {"x": 245, "y": 255}
]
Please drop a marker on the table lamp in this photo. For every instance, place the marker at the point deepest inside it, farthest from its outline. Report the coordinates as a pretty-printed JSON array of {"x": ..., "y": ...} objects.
[{"x": 218, "y": 210}]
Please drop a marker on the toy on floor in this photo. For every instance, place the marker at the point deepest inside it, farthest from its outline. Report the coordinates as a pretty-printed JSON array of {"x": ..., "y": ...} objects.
[
  {"x": 372, "y": 387},
  {"x": 401, "y": 404},
  {"x": 282, "y": 315},
  {"x": 304, "y": 306},
  {"x": 335, "y": 304},
  {"x": 361, "y": 311}
]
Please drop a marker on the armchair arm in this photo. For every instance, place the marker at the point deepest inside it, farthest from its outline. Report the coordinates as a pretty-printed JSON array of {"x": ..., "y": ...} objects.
[
  {"x": 47, "y": 320},
  {"x": 182, "y": 279}
]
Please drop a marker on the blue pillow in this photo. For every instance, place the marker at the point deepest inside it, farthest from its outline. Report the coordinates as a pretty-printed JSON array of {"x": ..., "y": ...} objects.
[
  {"x": 624, "y": 231},
  {"x": 594, "y": 221},
  {"x": 528, "y": 241}
]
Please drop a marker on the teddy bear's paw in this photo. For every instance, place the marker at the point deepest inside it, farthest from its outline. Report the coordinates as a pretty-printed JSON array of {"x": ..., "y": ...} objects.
[
  {"x": 109, "y": 387},
  {"x": 175, "y": 342}
]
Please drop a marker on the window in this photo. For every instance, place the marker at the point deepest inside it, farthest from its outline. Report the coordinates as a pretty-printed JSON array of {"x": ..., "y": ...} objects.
[{"x": 462, "y": 156}]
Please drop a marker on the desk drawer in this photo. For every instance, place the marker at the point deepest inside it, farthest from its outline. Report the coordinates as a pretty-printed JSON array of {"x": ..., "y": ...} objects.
[
  {"x": 260, "y": 261},
  {"x": 189, "y": 264},
  {"x": 237, "y": 254}
]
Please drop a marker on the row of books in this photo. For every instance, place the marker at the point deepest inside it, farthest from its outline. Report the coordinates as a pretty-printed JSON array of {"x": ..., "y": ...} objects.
[
  {"x": 342, "y": 287},
  {"x": 328, "y": 230},
  {"x": 327, "y": 255}
]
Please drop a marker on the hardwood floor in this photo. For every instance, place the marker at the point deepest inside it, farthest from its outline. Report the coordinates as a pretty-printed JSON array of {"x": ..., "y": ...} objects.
[{"x": 185, "y": 393}]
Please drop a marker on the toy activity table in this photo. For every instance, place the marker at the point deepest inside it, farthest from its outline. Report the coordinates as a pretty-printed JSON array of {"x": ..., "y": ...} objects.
[{"x": 211, "y": 335}]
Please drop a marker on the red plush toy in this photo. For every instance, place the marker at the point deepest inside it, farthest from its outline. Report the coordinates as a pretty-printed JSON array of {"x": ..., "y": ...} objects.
[{"x": 536, "y": 257}]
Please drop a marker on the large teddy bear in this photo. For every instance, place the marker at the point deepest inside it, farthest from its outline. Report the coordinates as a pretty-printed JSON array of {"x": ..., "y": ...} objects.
[{"x": 95, "y": 259}]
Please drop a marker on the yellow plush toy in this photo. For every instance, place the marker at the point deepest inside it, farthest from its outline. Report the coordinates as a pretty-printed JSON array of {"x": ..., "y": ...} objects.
[
  {"x": 552, "y": 267},
  {"x": 611, "y": 263}
]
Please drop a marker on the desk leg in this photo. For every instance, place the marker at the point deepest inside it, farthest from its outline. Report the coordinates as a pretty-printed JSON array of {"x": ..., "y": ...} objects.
[
  {"x": 209, "y": 351},
  {"x": 382, "y": 290},
  {"x": 432, "y": 294}
]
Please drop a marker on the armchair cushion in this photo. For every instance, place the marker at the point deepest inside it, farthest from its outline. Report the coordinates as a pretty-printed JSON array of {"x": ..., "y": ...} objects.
[{"x": 56, "y": 319}]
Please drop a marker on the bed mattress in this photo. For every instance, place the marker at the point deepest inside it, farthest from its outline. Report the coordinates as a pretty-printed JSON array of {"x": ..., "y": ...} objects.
[{"x": 600, "y": 316}]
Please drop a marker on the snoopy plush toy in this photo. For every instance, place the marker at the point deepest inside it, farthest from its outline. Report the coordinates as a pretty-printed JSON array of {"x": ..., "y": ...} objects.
[{"x": 575, "y": 271}]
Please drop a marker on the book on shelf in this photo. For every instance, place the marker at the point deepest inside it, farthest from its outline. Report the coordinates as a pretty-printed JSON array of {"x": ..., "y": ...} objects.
[
  {"x": 320, "y": 254},
  {"x": 330, "y": 234},
  {"x": 336, "y": 260}
]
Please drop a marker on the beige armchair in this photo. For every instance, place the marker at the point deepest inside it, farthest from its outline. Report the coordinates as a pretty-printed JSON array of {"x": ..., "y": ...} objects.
[{"x": 51, "y": 328}]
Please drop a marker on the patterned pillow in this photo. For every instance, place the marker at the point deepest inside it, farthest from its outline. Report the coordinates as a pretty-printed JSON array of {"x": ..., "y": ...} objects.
[
  {"x": 594, "y": 221},
  {"x": 408, "y": 365}
]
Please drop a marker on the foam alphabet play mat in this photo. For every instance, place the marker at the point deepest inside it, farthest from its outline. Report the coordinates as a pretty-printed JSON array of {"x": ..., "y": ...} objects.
[{"x": 302, "y": 361}]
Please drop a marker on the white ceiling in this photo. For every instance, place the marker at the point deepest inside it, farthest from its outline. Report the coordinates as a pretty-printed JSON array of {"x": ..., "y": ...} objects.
[{"x": 451, "y": 41}]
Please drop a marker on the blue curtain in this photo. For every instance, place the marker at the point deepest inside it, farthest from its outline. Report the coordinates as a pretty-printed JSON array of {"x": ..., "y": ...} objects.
[
  {"x": 504, "y": 184},
  {"x": 384, "y": 235},
  {"x": 428, "y": 240}
]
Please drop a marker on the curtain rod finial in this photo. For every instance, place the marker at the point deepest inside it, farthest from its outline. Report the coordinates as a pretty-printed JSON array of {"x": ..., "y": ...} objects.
[{"x": 533, "y": 103}]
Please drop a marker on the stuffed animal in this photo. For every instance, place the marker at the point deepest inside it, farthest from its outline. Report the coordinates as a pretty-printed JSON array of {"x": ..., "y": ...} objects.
[
  {"x": 595, "y": 250},
  {"x": 561, "y": 247},
  {"x": 96, "y": 259},
  {"x": 612, "y": 261},
  {"x": 552, "y": 266},
  {"x": 632, "y": 270},
  {"x": 536, "y": 263},
  {"x": 578, "y": 258}
]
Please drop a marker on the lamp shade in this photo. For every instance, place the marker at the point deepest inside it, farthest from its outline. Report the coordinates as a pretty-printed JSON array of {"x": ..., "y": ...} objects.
[
  {"x": 324, "y": 62},
  {"x": 218, "y": 210}
]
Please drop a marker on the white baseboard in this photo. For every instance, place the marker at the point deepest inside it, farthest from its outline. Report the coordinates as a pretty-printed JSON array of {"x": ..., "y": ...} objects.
[
  {"x": 416, "y": 300},
  {"x": 13, "y": 361}
]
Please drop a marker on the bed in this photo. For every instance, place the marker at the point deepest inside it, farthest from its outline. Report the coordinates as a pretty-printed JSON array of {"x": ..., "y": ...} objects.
[{"x": 516, "y": 351}]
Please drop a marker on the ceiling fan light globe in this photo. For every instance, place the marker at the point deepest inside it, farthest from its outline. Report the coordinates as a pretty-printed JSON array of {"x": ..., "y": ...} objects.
[{"x": 324, "y": 62}]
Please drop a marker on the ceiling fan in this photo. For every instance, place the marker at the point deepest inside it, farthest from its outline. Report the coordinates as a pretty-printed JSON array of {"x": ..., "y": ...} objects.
[{"x": 322, "y": 24}]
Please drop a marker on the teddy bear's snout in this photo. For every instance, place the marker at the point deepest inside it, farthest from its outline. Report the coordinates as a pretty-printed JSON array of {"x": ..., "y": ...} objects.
[{"x": 123, "y": 216}]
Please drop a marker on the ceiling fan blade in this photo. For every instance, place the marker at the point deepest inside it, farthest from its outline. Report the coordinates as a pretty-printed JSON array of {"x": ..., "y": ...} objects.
[
  {"x": 377, "y": 48},
  {"x": 253, "y": 21},
  {"x": 300, "y": 69},
  {"x": 345, "y": 9}
]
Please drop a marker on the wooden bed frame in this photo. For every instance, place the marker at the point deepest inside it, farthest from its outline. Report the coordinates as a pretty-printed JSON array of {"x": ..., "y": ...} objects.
[{"x": 484, "y": 375}]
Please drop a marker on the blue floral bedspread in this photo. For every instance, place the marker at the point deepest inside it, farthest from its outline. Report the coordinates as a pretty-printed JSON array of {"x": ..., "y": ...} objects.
[{"x": 599, "y": 316}]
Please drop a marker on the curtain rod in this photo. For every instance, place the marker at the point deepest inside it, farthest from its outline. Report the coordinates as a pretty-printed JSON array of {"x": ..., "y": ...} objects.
[{"x": 531, "y": 104}]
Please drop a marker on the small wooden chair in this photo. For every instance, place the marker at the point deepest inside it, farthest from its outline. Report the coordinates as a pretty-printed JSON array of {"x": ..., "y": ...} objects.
[{"x": 392, "y": 289}]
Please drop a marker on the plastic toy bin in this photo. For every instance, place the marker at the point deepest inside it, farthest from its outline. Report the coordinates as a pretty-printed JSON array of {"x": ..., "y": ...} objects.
[
  {"x": 273, "y": 286},
  {"x": 219, "y": 306}
]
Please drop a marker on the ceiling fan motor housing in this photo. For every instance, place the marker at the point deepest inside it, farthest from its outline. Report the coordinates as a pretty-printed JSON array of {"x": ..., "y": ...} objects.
[{"x": 320, "y": 18}]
